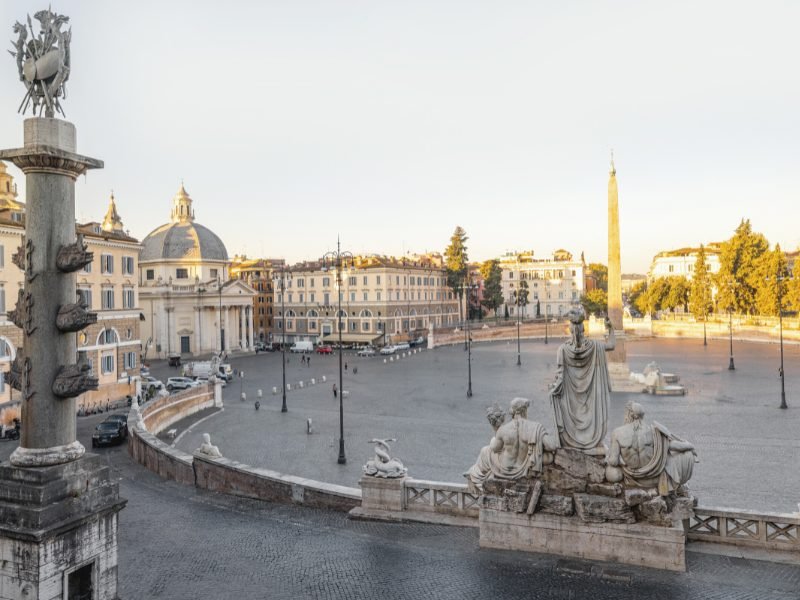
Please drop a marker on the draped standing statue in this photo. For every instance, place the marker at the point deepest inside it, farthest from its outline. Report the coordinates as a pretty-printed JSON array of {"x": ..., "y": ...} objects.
[{"x": 582, "y": 387}]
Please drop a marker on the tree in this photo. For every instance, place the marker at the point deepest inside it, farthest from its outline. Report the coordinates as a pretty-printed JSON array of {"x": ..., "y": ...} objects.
[
  {"x": 456, "y": 262},
  {"x": 770, "y": 283},
  {"x": 653, "y": 299},
  {"x": 701, "y": 302},
  {"x": 600, "y": 271},
  {"x": 492, "y": 285},
  {"x": 522, "y": 299},
  {"x": 636, "y": 292},
  {"x": 595, "y": 301},
  {"x": 793, "y": 293},
  {"x": 677, "y": 295},
  {"x": 736, "y": 279}
]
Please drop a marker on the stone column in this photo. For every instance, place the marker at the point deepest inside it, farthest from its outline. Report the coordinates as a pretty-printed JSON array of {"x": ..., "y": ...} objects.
[
  {"x": 51, "y": 166},
  {"x": 228, "y": 335},
  {"x": 197, "y": 317},
  {"x": 250, "y": 326},
  {"x": 240, "y": 311}
]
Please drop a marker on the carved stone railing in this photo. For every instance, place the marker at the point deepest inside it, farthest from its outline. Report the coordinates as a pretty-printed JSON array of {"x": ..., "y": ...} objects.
[
  {"x": 420, "y": 495},
  {"x": 745, "y": 528}
]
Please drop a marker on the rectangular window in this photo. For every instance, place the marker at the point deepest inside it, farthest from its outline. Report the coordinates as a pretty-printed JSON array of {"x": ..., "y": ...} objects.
[
  {"x": 87, "y": 268},
  {"x": 213, "y": 273},
  {"x": 379, "y": 296},
  {"x": 311, "y": 282},
  {"x": 128, "y": 298},
  {"x": 290, "y": 298},
  {"x": 397, "y": 295},
  {"x": 301, "y": 283},
  {"x": 311, "y": 296},
  {"x": 301, "y": 296},
  {"x": 2, "y": 256},
  {"x": 365, "y": 326},
  {"x": 130, "y": 360},
  {"x": 366, "y": 296},
  {"x": 86, "y": 296},
  {"x": 127, "y": 265},
  {"x": 107, "y": 364},
  {"x": 182, "y": 273},
  {"x": 378, "y": 278},
  {"x": 352, "y": 296},
  {"x": 397, "y": 279},
  {"x": 108, "y": 298},
  {"x": 352, "y": 281},
  {"x": 326, "y": 299},
  {"x": 364, "y": 280},
  {"x": 106, "y": 263},
  {"x": 150, "y": 274},
  {"x": 326, "y": 281}
]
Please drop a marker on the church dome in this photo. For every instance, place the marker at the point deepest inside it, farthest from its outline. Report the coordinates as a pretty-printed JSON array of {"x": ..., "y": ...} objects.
[{"x": 182, "y": 238}]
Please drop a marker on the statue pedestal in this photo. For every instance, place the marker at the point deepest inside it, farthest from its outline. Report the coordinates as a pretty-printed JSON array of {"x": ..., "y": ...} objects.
[
  {"x": 635, "y": 544},
  {"x": 58, "y": 530},
  {"x": 618, "y": 370},
  {"x": 381, "y": 493}
]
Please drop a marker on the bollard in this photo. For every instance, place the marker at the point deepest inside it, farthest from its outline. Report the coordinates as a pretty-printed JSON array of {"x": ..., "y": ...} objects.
[
  {"x": 324, "y": 379},
  {"x": 244, "y": 396},
  {"x": 301, "y": 384},
  {"x": 274, "y": 390},
  {"x": 308, "y": 426},
  {"x": 384, "y": 361},
  {"x": 391, "y": 359},
  {"x": 260, "y": 394},
  {"x": 345, "y": 394},
  {"x": 288, "y": 386},
  {"x": 313, "y": 381}
]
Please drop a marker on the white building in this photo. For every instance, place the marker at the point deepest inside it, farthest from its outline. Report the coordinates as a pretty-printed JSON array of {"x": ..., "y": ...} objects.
[
  {"x": 554, "y": 284},
  {"x": 681, "y": 262},
  {"x": 190, "y": 305}
]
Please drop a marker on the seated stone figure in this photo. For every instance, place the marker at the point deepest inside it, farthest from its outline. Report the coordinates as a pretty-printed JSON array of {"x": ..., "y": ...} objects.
[
  {"x": 517, "y": 448},
  {"x": 648, "y": 456},
  {"x": 208, "y": 449},
  {"x": 478, "y": 473}
]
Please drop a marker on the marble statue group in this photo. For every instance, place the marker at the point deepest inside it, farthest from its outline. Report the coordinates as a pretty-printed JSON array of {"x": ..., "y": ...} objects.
[{"x": 642, "y": 476}]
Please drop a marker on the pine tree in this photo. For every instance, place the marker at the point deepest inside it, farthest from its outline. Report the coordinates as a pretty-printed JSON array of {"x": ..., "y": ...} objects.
[
  {"x": 700, "y": 298},
  {"x": 456, "y": 262}
]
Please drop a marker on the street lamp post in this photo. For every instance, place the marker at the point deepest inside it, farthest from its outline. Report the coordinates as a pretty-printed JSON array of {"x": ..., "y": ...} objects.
[
  {"x": 219, "y": 291},
  {"x": 779, "y": 279},
  {"x": 519, "y": 358},
  {"x": 546, "y": 304},
  {"x": 731, "y": 366},
  {"x": 282, "y": 282},
  {"x": 337, "y": 260},
  {"x": 468, "y": 289}
]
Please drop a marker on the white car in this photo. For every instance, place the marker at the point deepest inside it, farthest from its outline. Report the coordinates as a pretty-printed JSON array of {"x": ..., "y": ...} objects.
[
  {"x": 181, "y": 383},
  {"x": 151, "y": 384},
  {"x": 388, "y": 350},
  {"x": 368, "y": 351},
  {"x": 402, "y": 347}
]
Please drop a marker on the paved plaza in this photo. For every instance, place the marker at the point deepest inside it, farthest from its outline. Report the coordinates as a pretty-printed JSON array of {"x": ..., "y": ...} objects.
[{"x": 749, "y": 449}]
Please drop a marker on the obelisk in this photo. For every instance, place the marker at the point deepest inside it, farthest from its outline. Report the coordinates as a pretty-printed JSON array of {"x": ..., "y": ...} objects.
[
  {"x": 617, "y": 359},
  {"x": 59, "y": 505}
]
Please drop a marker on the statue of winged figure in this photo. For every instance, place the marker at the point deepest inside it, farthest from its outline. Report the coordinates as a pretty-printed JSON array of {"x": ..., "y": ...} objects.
[{"x": 43, "y": 62}]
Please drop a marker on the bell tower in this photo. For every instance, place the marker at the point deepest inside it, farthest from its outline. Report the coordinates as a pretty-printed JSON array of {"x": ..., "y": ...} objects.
[{"x": 182, "y": 207}]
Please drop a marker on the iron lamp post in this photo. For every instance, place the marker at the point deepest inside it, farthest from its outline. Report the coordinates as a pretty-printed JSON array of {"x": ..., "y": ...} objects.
[
  {"x": 337, "y": 260},
  {"x": 282, "y": 282}
]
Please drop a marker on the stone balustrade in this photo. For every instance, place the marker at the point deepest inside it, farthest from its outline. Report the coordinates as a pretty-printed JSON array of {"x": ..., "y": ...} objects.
[{"x": 745, "y": 528}]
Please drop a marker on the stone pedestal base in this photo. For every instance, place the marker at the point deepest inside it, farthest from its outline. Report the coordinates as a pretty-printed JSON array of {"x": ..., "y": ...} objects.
[
  {"x": 381, "y": 493},
  {"x": 58, "y": 531},
  {"x": 620, "y": 375},
  {"x": 635, "y": 544}
]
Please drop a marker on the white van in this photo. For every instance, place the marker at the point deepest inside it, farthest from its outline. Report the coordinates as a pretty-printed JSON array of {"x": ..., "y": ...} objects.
[{"x": 302, "y": 347}]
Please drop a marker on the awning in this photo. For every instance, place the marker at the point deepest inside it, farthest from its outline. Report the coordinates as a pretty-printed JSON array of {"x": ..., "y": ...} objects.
[{"x": 352, "y": 338}]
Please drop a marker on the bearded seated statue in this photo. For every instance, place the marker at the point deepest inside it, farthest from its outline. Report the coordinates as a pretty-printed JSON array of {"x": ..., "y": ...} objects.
[{"x": 648, "y": 455}]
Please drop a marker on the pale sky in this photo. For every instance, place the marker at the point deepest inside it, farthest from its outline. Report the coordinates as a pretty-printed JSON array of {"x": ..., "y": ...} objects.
[{"x": 389, "y": 123}]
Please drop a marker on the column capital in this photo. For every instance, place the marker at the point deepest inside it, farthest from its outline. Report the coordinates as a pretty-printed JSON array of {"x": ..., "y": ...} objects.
[{"x": 49, "y": 159}]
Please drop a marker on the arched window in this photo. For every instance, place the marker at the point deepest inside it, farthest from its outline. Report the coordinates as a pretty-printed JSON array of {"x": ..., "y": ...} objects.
[
  {"x": 107, "y": 336},
  {"x": 313, "y": 314},
  {"x": 365, "y": 314}
]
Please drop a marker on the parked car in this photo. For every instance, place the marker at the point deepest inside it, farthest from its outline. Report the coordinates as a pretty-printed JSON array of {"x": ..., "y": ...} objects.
[
  {"x": 203, "y": 379},
  {"x": 324, "y": 349},
  {"x": 260, "y": 347},
  {"x": 118, "y": 418},
  {"x": 401, "y": 347},
  {"x": 388, "y": 350},
  {"x": 416, "y": 343},
  {"x": 180, "y": 383},
  {"x": 152, "y": 385},
  {"x": 368, "y": 351},
  {"x": 303, "y": 346},
  {"x": 108, "y": 433}
]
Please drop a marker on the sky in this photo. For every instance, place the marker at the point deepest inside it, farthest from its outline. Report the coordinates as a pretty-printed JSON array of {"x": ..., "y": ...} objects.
[{"x": 390, "y": 123}]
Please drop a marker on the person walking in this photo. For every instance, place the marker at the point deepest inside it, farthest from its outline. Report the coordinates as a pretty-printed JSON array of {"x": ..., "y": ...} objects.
[
  {"x": 345, "y": 367},
  {"x": 334, "y": 391},
  {"x": 355, "y": 370},
  {"x": 308, "y": 361}
]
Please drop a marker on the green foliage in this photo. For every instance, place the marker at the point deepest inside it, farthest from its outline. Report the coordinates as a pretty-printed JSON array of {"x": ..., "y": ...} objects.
[
  {"x": 701, "y": 301},
  {"x": 652, "y": 300},
  {"x": 636, "y": 292},
  {"x": 456, "y": 260},
  {"x": 769, "y": 281},
  {"x": 737, "y": 280},
  {"x": 595, "y": 301},
  {"x": 492, "y": 285},
  {"x": 600, "y": 271},
  {"x": 522, "y": 299},
  {"x": 677, "y": 293},
  {"x": 505, "y": 312}
]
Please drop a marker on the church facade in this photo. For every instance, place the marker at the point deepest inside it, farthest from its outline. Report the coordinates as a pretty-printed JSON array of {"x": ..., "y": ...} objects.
[{"x": 191, "y": 306}]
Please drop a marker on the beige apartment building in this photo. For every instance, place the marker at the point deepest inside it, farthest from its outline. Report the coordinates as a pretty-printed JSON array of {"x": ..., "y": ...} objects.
[
  {"x": 383, "y": 299},
  {"x": 108, "y": 285},
  {"x": 554, "y": 283},
  {"x": 258, "y": 274}
]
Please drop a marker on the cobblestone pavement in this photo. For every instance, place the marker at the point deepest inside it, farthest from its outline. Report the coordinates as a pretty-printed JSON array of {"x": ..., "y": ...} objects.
[
  {"x": 176, "y": 542},
  {"x": 749, "y": 449}
]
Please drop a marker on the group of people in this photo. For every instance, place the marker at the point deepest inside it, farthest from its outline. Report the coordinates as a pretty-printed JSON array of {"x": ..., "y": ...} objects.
[{"x": 306, "y": 360}]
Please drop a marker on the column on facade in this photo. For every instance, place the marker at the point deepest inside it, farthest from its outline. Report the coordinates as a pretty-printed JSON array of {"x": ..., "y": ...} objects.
[
  {"x": 168, "y": 312},
  {"x": 197, "y": 348},
  {"x": 241, "y": 328},
  {"x": 250, "y": 325},
  {"x": 227, "y": 330}
]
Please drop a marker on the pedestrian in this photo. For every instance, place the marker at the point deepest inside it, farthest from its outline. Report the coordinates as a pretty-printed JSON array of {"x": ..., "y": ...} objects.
[
  {"x": 308, "y": 361},
  {"x": 355, "y": 370},
  {"x": 334, "y": 391},
  {"x": 345, "y": 367},
  {"x": 303, "y": 359}
]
